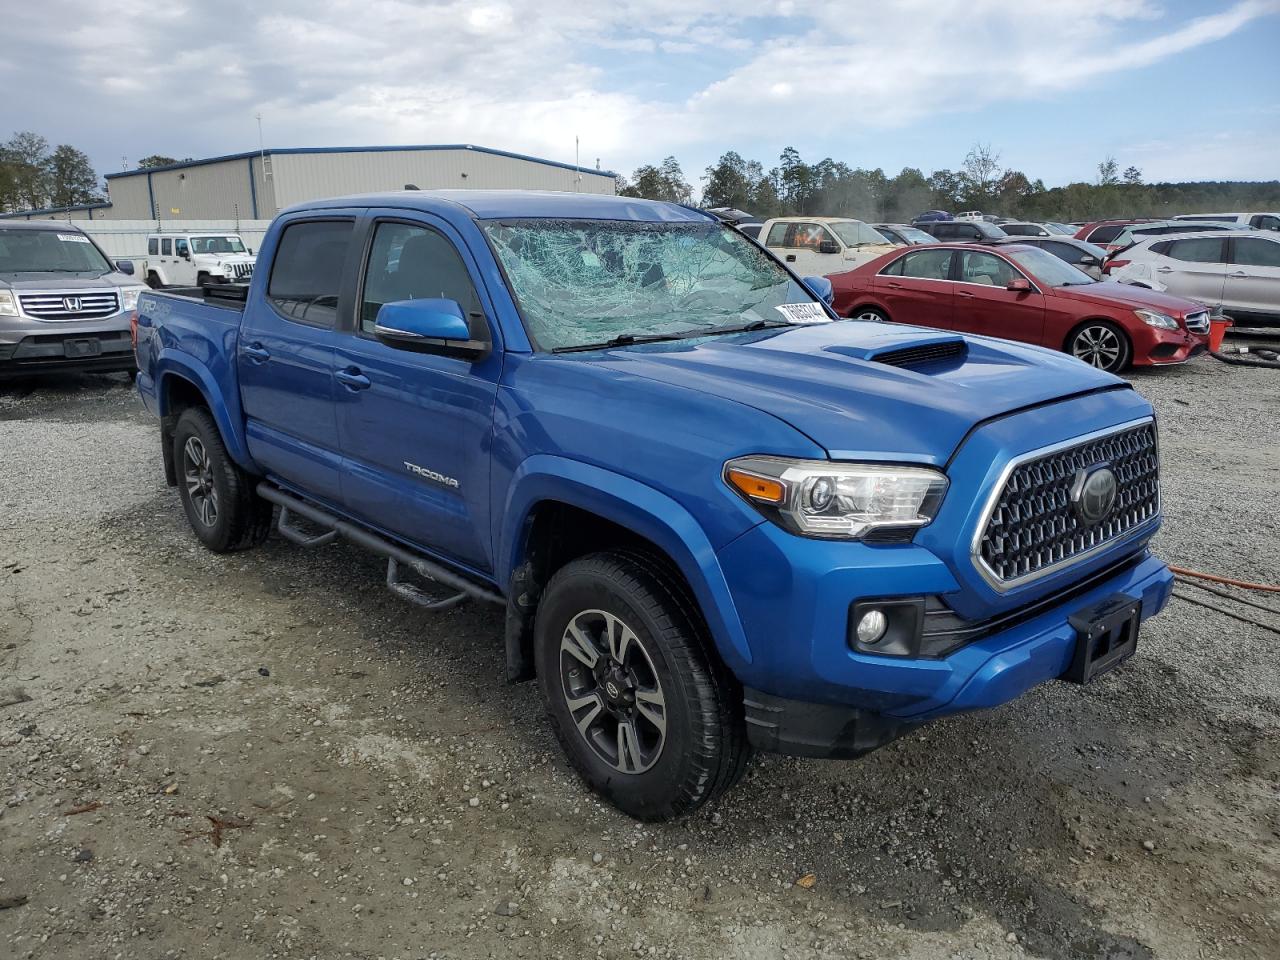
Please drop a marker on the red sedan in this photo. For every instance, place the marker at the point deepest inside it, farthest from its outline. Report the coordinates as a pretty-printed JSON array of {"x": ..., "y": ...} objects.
[{"x": 1023, "y": 293}]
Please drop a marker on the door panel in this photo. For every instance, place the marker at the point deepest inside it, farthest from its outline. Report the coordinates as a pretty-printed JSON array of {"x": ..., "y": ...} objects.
[
  {"x": 1253, "y": 277},
  {"x": 416, "y": 440},
  {"x": 285, "y": 357},
  {"x": 916, "y": 290},
  {"x": 1193, "y": 268},
  {"x": 983, "y": 305}
]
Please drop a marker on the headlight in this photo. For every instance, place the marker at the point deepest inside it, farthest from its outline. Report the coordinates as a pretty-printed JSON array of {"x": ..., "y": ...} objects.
[
  {"x": 129, "y": 297},
  {"x": 1161, "y": 320},
  {"x": 8, "y": 305},
  {"x": 844, "y": 501}
]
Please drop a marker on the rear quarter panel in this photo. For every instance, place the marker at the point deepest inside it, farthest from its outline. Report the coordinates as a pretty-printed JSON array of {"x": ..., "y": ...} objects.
[{"x": 182, "y": 338}]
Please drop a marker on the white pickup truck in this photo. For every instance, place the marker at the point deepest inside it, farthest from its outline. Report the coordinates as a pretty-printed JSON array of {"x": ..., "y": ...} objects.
[
  {"x": 197, "y": 259},
  {"x": 822, "y": 245}
]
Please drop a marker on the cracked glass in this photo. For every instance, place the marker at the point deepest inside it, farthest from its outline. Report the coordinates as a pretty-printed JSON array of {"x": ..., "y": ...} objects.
[{"x": 585, "y": 282}]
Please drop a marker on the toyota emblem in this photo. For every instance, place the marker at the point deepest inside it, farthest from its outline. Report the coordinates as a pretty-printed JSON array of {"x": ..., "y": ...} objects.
[{"x": 1093, "y": 493}]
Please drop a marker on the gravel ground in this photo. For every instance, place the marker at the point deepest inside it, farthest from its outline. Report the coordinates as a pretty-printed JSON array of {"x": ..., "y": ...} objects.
[{"x": 266, "y": 755}]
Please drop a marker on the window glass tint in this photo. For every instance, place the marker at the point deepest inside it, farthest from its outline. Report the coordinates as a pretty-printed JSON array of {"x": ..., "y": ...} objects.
[
  {"x": 985, "y": 268},
  {"x": 1162, "y": 247},
  {"x": 1105, "y": 234},
  {"x": 153, "y": 246},
  {"x": 180, "y": 247},
  {"x": 166, "y": 247},
  {"x": 777, "y": 235},
  {"x": 1022, "y": 230},
  {"x": 927, "y": 264},
  {"x": 1196, "y": 250},
  {"x": 307, "y": 271},
  {"x": 412, "y": 263},
  {"x": 1266, "y": 222},
  {"x": 894, "y": 269},
  {"x": 1256, "y": 252}
]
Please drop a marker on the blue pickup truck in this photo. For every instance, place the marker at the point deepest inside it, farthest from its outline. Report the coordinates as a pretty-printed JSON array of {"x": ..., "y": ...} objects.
[{"x": 719, "y": 517}]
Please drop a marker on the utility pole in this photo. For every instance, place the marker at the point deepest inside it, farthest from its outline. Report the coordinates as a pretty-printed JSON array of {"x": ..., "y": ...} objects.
[{"x": 577, "y": 164}]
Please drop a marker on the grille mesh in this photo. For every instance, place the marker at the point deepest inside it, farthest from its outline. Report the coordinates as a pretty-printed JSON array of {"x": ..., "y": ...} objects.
[
  {"x": 1033, "y": 525},
  {"x": 72, "y": 305}
]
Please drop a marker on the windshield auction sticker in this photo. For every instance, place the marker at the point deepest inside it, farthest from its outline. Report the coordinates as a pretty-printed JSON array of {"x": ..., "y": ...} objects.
[
  {"x": 73, "y": 238},
  {"x": 803, "y": 312}
]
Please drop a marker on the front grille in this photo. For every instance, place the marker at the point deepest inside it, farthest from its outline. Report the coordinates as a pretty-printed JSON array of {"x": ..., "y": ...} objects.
[
  {"x": 71, "y": 305},
  {"x": 927, "y": 353},
  {"x": 1033, "y": 528},
  {"x": 1198, "y": 322},
  {"x": 241, "y": 271}
]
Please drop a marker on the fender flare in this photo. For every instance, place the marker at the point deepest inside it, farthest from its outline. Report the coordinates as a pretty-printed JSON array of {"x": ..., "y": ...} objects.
[
  {"x": 174, "y": 364},
  {"x": 640, "y": 509}
]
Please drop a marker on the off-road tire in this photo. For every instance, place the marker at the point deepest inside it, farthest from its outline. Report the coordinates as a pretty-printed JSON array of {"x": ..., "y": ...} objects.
[
  {"x": 705, "y": 750},
  {"x": 243, "y": 519}
]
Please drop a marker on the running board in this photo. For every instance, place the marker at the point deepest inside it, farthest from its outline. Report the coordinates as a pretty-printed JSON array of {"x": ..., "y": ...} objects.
[{"x": 396, "y": 555}]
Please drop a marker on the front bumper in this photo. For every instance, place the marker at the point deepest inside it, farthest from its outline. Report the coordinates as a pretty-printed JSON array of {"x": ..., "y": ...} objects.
[
  {"x": 994, "y": 670},
  {"x": 35, "y": 346},
  {"x": 1155, "y": 347}
]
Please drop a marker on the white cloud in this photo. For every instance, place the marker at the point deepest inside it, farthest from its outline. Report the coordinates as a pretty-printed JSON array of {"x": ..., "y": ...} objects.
[{"x": 184, "y": 76}]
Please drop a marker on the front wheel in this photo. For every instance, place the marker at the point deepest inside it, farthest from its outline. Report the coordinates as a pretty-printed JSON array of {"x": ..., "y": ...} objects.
[
  {"x": 218, "y": 497},
  {"x": 1102, "y": 344},
  {"x": 643, "y": 708}
]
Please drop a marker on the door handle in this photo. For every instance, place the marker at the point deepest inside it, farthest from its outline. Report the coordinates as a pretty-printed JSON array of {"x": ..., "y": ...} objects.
[
  {"x": 895, "y": 286},
  {"x": 1240, "y": 273},
  {"x": 353, "y": 379},
  {"x": 1164, "y": 269},
  {"x": 964, "y": 293},
  {"x": 256, "y": 352},
  {"x": 791, "y": 258}
]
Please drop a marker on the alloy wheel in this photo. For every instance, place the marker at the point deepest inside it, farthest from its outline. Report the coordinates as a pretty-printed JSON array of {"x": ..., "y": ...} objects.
[
  {"x": 869, "y": 315},
  {"x": 612, "y": 691},
  {"x": 197, "y": 472},
  {"x": 1099, "y": 346}
]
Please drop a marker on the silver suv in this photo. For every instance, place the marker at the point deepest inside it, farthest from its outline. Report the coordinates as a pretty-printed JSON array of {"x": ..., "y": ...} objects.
[{"x": 63, "y": 304}]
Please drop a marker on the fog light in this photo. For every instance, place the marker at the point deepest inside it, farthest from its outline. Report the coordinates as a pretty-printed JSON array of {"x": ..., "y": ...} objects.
[{"x": 871, "y": 626}]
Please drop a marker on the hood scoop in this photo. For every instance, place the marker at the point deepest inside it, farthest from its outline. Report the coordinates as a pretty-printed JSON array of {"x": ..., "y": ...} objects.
[{"x": 916, "y": 353}]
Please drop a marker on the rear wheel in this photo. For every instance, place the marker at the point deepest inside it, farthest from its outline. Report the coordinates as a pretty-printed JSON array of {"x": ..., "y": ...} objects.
[
  {"x": 872, "y": 314},
  {"x": 153, "y": 280},
  {"x": 1102, "y": 344},
  {"x": 643, "y": 708},
  {"x": 218, "y": 497}
]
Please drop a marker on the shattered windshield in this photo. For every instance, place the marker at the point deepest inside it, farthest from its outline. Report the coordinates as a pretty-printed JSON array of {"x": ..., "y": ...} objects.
[{"x": 587, "y": 282}]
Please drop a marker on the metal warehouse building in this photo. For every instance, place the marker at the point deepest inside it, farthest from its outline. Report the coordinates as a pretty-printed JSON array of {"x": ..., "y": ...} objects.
[{"x": 257, "y": 185}]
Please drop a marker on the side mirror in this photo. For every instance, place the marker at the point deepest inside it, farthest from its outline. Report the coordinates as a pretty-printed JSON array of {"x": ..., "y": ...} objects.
[
  {"x": 821, "y": 288},
  {"x": 828, "y": 246},
  {"x": 429, "y": 325},
  {"x": 1089, "y": 260},
  {"x": 1019, "y": 285},
  {"x": 125, "y": 266},
  {"x": 185, "y": 254}
]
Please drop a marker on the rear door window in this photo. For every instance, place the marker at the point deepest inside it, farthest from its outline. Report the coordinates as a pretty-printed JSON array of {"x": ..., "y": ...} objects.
[
  {"x": 1256, "y": 252},
  {"x": 1197, "y": 250},
  {"x": 926, "y": 264},
  {"x": 307, "y": 271},
  {"x": 166, "y": 247},
  {"x": 1265, "y": 222},
  {"x": 1105, "y": 233}
]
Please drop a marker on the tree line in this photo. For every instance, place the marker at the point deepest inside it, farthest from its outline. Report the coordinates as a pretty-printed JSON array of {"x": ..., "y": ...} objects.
[
  {"x": 833, "y": 188},
  {"x": 37, "y": 176}
]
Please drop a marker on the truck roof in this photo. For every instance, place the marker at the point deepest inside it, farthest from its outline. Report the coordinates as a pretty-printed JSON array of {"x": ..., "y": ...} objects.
[{"x": 516, "y": 204}]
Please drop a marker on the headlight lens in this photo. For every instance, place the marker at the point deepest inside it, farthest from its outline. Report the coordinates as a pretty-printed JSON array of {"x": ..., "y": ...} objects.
[
  {"x": 845, "y": 501},
  {"x": 8, "y": 305},
  {"x": 129, "y": 297},
  {"x": 1154, "y": 319}
]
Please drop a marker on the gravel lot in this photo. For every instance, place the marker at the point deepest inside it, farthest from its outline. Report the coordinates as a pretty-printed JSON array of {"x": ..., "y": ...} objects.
[{"x": 266, "y": 755}]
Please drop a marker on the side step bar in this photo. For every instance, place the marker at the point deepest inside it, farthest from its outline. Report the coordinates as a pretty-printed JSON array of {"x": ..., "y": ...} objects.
[{"x": 396, "y": 555}]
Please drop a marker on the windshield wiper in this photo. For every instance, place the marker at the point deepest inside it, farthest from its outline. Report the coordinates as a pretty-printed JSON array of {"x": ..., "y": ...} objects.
[
  {"x": 745, "y": 328},
  {"x": 622, "y": 340}
]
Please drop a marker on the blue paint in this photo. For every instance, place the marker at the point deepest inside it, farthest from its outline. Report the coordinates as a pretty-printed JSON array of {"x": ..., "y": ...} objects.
[{"x": 639, "y": 436}]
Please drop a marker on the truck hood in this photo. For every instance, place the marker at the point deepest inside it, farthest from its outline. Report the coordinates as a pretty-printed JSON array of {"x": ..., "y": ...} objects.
[
  {"x": 1108, "y": 293},
  {"x": 825, "y": 380},
  {"x": 65, "y": 281}
]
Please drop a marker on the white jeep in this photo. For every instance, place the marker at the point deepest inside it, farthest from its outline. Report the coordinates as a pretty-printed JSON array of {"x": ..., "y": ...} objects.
[{"x": 197, "y": 259}]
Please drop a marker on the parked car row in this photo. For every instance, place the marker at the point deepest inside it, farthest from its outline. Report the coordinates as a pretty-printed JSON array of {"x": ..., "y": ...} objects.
[{"x": 1018, "y": 291}]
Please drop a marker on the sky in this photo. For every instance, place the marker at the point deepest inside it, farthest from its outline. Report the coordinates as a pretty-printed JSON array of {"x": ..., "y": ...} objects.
[{"x": 1182, "y": 89}]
